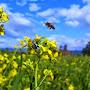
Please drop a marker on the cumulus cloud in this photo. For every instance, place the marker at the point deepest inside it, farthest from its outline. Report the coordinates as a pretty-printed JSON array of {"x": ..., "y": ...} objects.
[
  {"x": 24, "y": 2},
  {"x": 19, "y": 18},
  {"x": 73, "y": 23},
  {"x": 86, "y": 1},
  {"x": 73, "y": 44},
  {"x": 47, "y": 13},
  {"x": 34, "y": 7},
  {"x": 74, "y": 15}
]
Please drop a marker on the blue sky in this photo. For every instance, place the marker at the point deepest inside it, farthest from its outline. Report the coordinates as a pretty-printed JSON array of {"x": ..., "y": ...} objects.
[{"x": 26, "y": 17}]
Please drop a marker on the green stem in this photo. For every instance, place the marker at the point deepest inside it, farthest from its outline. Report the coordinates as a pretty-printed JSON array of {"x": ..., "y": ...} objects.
[
  {"x": 36, "y": 70},
  {"x": 42, "y": 80}
]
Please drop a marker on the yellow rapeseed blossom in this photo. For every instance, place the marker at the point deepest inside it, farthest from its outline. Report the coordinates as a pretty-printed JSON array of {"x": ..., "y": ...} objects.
[
  {"x": 5, "y": 55},
  {"x": 22, "y": 42},
  {"x": 23, "y": 67},
  {"x": 28, "y": 88},
  {"x": 19, "y": 57},
  {"x": 46, "y": 71},
  {"x": 71, "y": 87},
  {"x": 31, "y": 65},
  {"x": 24, "y": 56},
  {"x": 4, "y": 66},
  {"x": 4, "y": 17},
  {"x": 50, "y": 52},
  {"x": 49, "y": 73},
  {"x": 39, "y": 76},
  {"x": 55, "y": 54},
  {"x": 44, "y": 57},
  {"x": 26, "y": 38},
  {"x": 2, "y": 33},
  {"x": 2, "y": 79},
  {"x": 1, "y": 70},
  {"x": 37, "y": 38},
  {"x": 51, "y": 77},
  {"x": 1, "y": 57},
  {"x": 1, "y": 9},
  {"x": 32, "y": 52},
  {"x": 53, "y": 44},
  {"x": 15, "y": 46},
  {"x": 44, "y": 49},
  {"x": 12, "y": 73},
  {"x": 13, "y": 57},
  {"x": 15, "y": 64}
]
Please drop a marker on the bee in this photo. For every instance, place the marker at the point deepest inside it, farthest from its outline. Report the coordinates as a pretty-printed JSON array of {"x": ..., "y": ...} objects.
[{"x": 49, "y": 25}]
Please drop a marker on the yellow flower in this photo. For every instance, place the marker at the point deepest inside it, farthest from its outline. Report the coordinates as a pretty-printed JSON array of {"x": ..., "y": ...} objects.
[
  {"x": 12, "y": 73},
  {"x": 71, "y": 87},
  {"x": 1, "y": 9},
  {"x": 14, "y": 64},
  {"x": 28, "y": 88},
  {"x": 13, "y": 57},
  {"x": 2, "y": 79},
  {"x": 56, "y": 54},
  {"x": 19, "y": 57},
  {"x": 4, "y": 66},
  {"x": 2, "y": 33},
  {"x": 46, "y": 71},
  {"x": 5, "y": 55},
  {"x": 32, "y": 51},
  {"x": 50, "y": 52},
  {"x": 26, "y": 38},
  {"x": 37, "y": 38},
  {"x": 51, "y": 77},
  {"x": 39, "y": 76},
  {"x": 22, "y": 42},
  {"x": 4, "y": 17},
  {"x": 24, "y": 56},
  {"x": 23, "y": 67},
  {"x": 53, "y": 44},
  {"x": 45, "y": 57},
  {"x": 44, "y": 49},
  {"x": 1, "y": 57},
  {"x": 15, "y": 46},
  {"x": 49, "y": 73},
  {"x": 1, "y": 70}
]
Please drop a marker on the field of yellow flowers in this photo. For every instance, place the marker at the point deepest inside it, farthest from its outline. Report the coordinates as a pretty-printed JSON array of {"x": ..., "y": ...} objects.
[
  {"x": 40, "y": 67},
  {"x": 37, "y": 65}
]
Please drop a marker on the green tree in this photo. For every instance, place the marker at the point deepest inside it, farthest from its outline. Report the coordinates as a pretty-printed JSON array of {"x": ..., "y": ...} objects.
[{"x": 86, "y": 50}]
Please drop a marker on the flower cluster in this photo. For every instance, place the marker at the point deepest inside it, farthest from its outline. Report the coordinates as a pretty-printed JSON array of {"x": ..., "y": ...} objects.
[{"x": 3, "y": 18}]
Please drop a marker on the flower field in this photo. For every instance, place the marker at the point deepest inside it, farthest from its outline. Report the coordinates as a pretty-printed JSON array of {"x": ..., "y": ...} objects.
[{"x": 41, "y": 67}]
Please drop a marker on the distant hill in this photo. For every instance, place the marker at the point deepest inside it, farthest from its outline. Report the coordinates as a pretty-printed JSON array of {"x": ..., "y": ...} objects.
[{"x": 76, "y": 52}]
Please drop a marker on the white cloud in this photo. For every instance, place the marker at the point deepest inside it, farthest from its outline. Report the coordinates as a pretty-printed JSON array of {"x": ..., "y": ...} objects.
[
  {"x": 73, "y": 23},
  {"x": 87, "y": 35},
  {"x": 86, "y": 1},
  {"x": 34, "y": 7},
  {"x": 19, "y": 18},
  {"x": 47, "y": 13},
  {"x": 73, "y": 15},
  {"x": 24, "y": 2}
]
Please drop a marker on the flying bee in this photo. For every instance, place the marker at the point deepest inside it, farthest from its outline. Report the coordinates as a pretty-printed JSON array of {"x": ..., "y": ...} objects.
[{"x": 49, "y": 25}]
